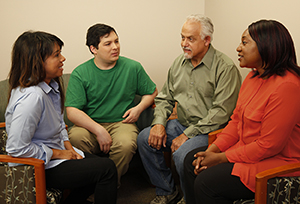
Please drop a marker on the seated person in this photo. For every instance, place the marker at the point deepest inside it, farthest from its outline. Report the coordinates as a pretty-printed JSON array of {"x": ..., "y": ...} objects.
[
  {"x": 265, "y": 128},
  {"x": 205, "y": 84},
  {"x": 35, "y": 126},
  {"x": 100, "y": 99}
]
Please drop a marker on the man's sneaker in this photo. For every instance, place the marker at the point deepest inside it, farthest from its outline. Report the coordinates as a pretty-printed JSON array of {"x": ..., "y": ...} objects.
[
  {"x": 167, "y": 199},
  {"x": 182, "y": 201}
]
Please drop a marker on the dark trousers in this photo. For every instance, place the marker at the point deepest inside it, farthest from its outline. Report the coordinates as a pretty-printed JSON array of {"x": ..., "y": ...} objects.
[
  {"x": 93, "y": 174},
  {"x": 213, "y": 185}
]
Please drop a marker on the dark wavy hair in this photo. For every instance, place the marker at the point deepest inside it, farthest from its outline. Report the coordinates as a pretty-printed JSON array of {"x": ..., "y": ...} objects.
[
  {"x": 275, "y": 46},
  {"x": 29, "y": 54},
  {"x": 97, "y": 31}
]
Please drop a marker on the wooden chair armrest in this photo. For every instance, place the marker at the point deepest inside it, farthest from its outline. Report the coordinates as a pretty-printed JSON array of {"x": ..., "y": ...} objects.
[
  {"x": 39, "y": 170},
  {"x": 212, "y": 136},
  {"x": 263, "y": 177}
]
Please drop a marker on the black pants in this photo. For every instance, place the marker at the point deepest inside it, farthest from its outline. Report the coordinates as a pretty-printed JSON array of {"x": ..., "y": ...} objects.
[
  {"x": 213, "y": 185},
  {"x": 86, "y": 176}
]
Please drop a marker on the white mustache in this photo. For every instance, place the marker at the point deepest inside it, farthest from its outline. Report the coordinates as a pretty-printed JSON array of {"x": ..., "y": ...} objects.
[{"x": 186, "y": 48}]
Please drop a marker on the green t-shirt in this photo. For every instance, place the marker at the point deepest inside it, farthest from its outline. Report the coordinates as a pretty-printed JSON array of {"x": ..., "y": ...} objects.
[{"x": 105, "y": 95}]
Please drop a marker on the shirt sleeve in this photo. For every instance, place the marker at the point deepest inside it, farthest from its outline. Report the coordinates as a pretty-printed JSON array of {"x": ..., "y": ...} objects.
[
  {"x": 145, "y": 85},
  {"x": 25, "y": 119},
  {"x": 276, "y": 127},
  {"x": 64, "y": 132},
  {"x": 75, "y": 95},
  {"x": 164, "y": 102},
  {"x": 225, "y": 97}
]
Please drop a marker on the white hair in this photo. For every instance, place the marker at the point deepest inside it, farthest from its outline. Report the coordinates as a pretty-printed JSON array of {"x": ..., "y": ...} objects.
[{"x": 206, "y": 25}]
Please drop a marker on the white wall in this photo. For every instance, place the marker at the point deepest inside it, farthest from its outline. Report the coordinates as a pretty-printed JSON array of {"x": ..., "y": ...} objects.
[
  {"x": 149, "y": 31},
  {"x": 232, "y": 17}
]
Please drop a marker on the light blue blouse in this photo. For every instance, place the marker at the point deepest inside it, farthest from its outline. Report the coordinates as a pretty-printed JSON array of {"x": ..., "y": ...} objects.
[{"x": 34, "y": 123}]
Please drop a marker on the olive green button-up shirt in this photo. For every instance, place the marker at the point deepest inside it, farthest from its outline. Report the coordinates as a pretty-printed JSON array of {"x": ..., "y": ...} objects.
[{"x": 206, "y": 94}]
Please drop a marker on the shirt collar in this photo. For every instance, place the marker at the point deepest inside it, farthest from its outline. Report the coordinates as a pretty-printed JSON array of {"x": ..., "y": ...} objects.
[
  {"x": 207, "y": 59},
  {"x": 47, "y": 88}
]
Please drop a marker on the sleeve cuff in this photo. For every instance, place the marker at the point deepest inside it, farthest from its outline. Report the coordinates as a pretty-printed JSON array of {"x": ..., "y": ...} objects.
[
  {"x": 191, "y": 131},
  {"x": 47, "y": 154},
  {"x": 64, "y": 135},
  {"x": 159, "y": 120}
]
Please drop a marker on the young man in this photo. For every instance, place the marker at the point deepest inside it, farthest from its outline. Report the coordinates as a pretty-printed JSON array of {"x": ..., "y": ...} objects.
[
  {"x": 100, "y": 99},
  {"x": 205, "y": 83}
]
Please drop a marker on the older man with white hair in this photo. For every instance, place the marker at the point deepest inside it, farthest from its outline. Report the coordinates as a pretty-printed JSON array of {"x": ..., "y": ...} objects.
[{"x": 205, "y": 84}]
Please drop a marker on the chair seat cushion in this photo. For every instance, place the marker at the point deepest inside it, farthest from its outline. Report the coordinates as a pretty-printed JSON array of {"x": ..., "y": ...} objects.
[
  {"x": 280, "y": 190},
  {"x": 17, "y": 183},
  {"x": 53, "y": 195},
  {"x": 3, "y": 138},
  {"x": 283, "y": 190},
  {"x": 244, "y": 201}
]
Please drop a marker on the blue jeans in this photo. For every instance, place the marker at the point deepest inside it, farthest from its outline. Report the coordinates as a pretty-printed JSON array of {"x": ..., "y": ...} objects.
[{"x": 154, "y": 162}]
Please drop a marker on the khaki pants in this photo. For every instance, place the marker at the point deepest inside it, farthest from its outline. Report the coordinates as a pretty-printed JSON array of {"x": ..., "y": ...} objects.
[{"x": 123, "y": 147}]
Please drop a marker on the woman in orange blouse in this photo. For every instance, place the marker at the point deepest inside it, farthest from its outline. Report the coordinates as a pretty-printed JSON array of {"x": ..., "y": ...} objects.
[{"x": 264, "y": 131}]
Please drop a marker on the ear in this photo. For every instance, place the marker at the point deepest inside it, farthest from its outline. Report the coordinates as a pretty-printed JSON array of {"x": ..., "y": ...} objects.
[
  {"x": 93, "y": 49},
  {"x": 207, "y": 40}
]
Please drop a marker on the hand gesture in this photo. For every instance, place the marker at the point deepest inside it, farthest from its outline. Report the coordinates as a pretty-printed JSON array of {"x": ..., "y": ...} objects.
[
  {"x": 65, "y": 154},
  {"x": 197, "y": 163},
  {"x": 68, "y": 146},
  {"x": 208, "y": 159}
]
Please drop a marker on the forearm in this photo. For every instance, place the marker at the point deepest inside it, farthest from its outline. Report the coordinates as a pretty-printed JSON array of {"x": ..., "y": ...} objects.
[
  {"x": 213, "y": 148},
  {"x": 56, "y": 154},
  {"x": 163, "y": 110},
  {"x": 147, "y": 100},
  {"x": 81, "y": 119},
  {"x": 164, "y": 103},
  {"x": 68, "y": 145}
]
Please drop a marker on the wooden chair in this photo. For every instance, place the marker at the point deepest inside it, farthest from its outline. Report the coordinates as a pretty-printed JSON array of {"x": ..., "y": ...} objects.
[
  {"x": 263, "y": 178},
  {"x": 41, "y": 197}
]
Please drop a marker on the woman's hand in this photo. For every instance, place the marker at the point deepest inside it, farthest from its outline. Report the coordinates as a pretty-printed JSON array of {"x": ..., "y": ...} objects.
[
  {"x": 208, "y": 159},
  {"x": 197, "y": 164},
  {"x": 68, "y": 146},
  {"x": 69, "y": 153},
  {"x": 65, "y": 154},
  {"x": 77, "y": 155}
]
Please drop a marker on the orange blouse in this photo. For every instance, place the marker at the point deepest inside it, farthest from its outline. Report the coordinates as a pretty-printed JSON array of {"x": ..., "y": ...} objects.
[{"x": 265, "y": 128}]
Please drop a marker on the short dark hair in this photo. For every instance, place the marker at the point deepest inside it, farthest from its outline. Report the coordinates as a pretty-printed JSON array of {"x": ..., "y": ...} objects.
[
  {"x": 97, "y": 31},
  {"x": 275, "y": 46}
]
